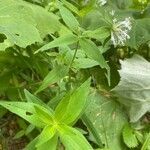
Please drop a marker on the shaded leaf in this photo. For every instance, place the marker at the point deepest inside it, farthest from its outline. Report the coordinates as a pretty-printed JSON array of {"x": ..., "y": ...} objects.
[
  {"x": 53, "y": 76},
  {"x": 93, "y": 52}
]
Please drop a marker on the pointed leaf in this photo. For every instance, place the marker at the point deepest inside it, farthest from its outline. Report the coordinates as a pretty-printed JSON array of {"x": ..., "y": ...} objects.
[
  {"x": 72, "y": 105},
  {"x": 47, "y": 133},
  {"x": 100, "y": 33},
  {"x": 24, "y": 110},
  {"x": 69, "y": 18},
  {"x": 33, "y": 99},
  {"x": 93, "y": 52},
  {"x": 53, "y": 76},
  {"x": 73, "y": 139},
  {"x": 44, "y": 115},
  {"x": 64, "y": 40}
]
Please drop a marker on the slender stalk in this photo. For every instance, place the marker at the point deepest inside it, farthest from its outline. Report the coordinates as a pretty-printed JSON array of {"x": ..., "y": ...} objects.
[
  {"x": 89, "y": 125},
  {"x": 74, "y": 56},
  {"x": 146, "y": 143}
]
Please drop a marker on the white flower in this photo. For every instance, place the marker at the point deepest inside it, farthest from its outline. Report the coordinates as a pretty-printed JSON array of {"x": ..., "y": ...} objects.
[
  {"x": 112, "y": 13},
  {"x": 101, "y": 2},
  {"x": 85, "y": 2},
  {"x": 120, "y": 30}
]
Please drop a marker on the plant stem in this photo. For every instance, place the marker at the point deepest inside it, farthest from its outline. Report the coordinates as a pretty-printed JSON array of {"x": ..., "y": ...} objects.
[{"x": 74, "y": 56}]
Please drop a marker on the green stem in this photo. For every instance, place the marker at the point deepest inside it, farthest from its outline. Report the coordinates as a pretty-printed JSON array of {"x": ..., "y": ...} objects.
[
  {"x": 74, "y": 56},
  {"x": 146, "y": 143},
  {"x": 90, "y": 127}
]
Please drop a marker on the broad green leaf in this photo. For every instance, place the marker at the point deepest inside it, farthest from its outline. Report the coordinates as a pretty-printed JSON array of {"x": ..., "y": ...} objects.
[
  {"x": 100, "y": 33},
  {"x": 47, "y": 133},
  {"x": 69, "y": 18},
  {"x": 133, "y": 90},
  {"x": 64, "y": 40},
  {"x": 72, "y": 139},
  {"x": 24, "y": 24},
  {"x": 46, "y": 22},
  {"x": 93, "y": 52},
  {"x": 24, "y": 110},
  {"x": 107, "y": 118},
  {"x": 129, "y": 137},
  {"x": 53, "y": 76},
  {"x": 72, "y": 105}
]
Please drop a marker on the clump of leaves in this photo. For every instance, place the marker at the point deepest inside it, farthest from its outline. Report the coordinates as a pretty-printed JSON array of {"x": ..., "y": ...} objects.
[
  {"x": 51, "y": 47},
  {"x": 54, "y": 123}
]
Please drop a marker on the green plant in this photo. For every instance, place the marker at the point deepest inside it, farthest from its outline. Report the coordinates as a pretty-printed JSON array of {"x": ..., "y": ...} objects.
[{"x": 86, "y": 64}]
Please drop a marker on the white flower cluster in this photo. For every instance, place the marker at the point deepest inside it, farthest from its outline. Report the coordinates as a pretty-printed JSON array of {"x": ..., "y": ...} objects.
[
  {"x": 98, "y": 2},
  {"x": 101, "y": 2},
  {"x": 120, "y": 30}
]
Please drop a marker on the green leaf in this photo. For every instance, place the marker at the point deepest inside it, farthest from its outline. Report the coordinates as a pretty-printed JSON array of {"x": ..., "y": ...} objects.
[
  {"x": 52, "y": 144},
  {"x": 129, "y": 137},
  {"x": 107, "y": 118},
  {"x": 47, "y": 133},
  {"x": 24, "y": 110},
  {"x": 69, "y": 18},
  {"x": 84, "y": 63},
  {"x": 72, "y": 139},
  {"x": 24, "y": 24},
  {"x": 93, "y": 52},
  {"x": 46, "y": 22},
  {"x": 86, "y": 120},
  {"x": 64, "y": 40},
  {"x": 100, "y": 33},
  {"x": 133, "y": 90},
  {"x": 33, "y": 99},
  {"x": 53, "y": 76},
  {"x": 29, "y": 129},
  {"x": 146, "y": 144},
  {"x": 70, "y": 6},
  {"x": 72, "y": 105},
  {"x": 45, "y": 115},
  {"x": 19, "y": 134},
  {"x": 31, "y": 145}
]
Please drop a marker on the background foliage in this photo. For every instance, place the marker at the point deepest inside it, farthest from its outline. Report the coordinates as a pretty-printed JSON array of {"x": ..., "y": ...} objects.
[{"x": 74, "y": 74}]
